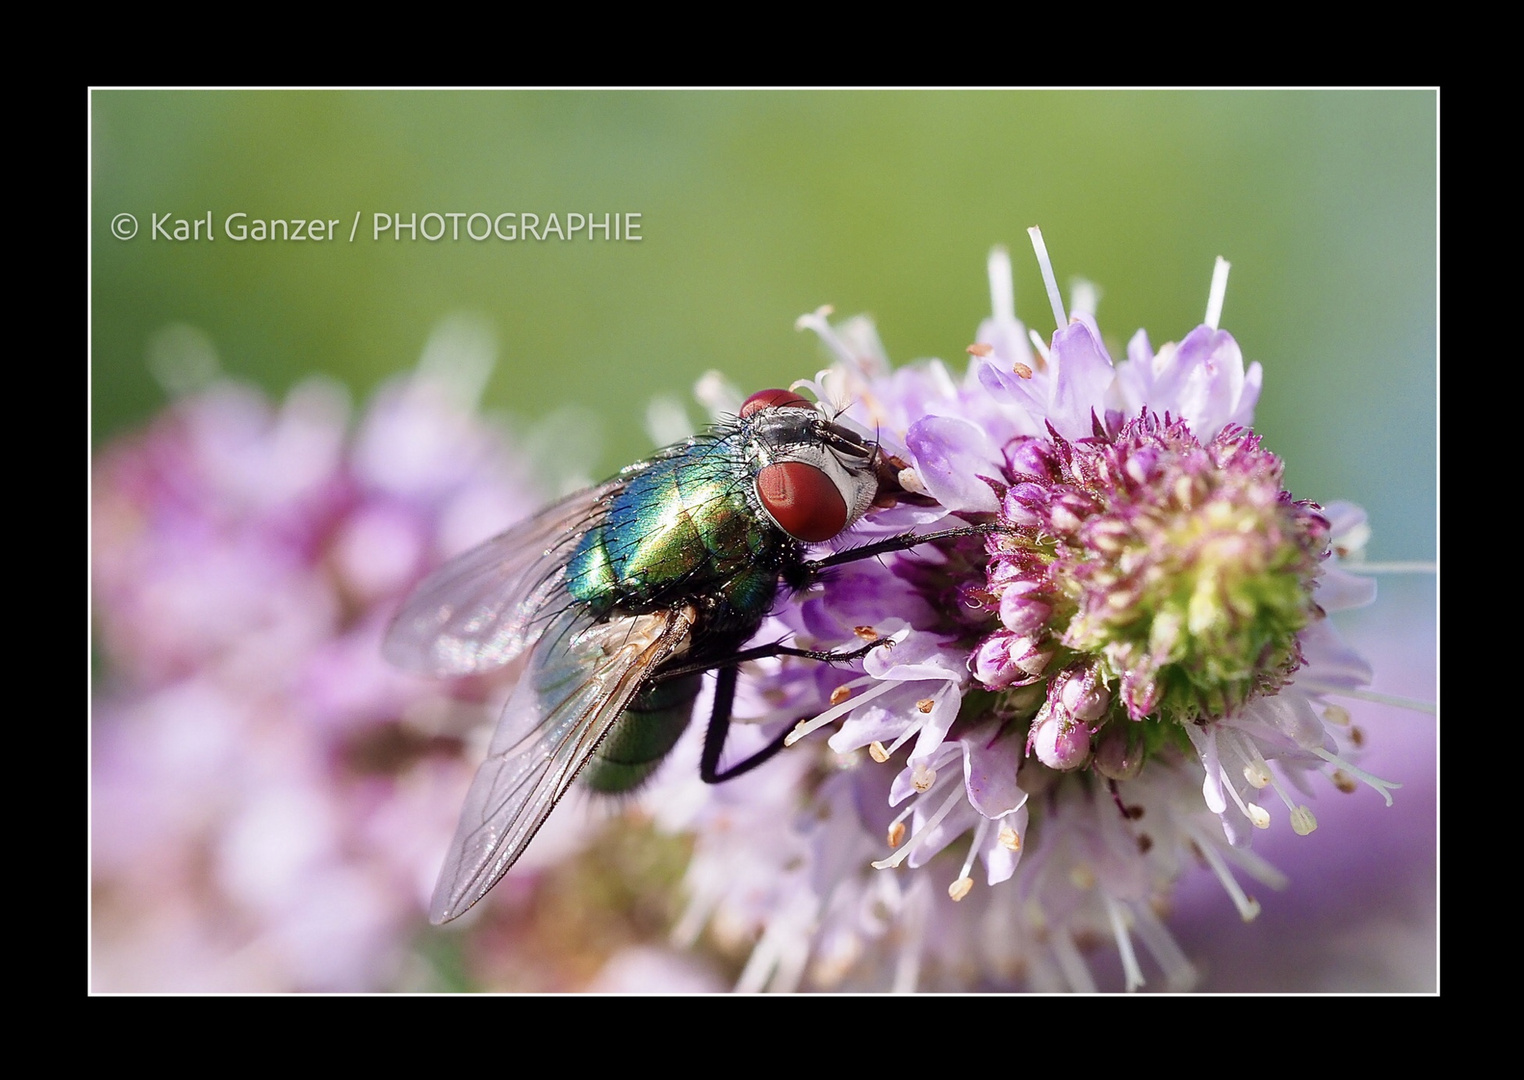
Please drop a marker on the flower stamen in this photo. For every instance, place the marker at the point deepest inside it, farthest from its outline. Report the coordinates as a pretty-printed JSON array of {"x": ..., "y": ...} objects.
[
  {"x": 1002, "y": 286},
  {"x": 808, "y": 727},
  {"x": 954, "y": 797},
  {"x": 1179, "y": 972},
  {"x": 1217, "y": 293},
  {"x": 1248, "y": 907},
  {"x": 980, "y": 832},
  {"x": 1041, "y": 346},
  {"x": 903, "y": 738},
  {"x": 1385, "y": 787},
  {"x": 1071, "y": 962},
  {"x": 1117, "y": 914},
  {"x": 1049, "y": 281},
  {"x": 1411, "y": 704}
]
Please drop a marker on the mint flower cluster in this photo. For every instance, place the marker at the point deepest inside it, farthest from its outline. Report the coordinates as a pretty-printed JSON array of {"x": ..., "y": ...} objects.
[
  {"x": 1148, "y": 579},
  {"x": 1085, "y": 700}
]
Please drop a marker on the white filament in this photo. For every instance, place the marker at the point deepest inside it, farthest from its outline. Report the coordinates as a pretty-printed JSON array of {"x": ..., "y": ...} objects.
[
  {"x": 1355, "y": 567},
  {"x": 811, "y": 726},
  {"x": 816, "y": 321},
  {"x": 904, "y": 737},
  {"x": 973, "y": 849},
  {"x": 1383, "y": 786},
  {"x": 1084, "y": 297},
  {"x": 1248, "y": 908},
  {"x": 1179, "y": 973},
  {"x": 925, "y": 830},
  {"x": 1412, "y": 704},
  {"x": 1072, "y": 963},
  {"x": 1039, "y": 344},
  {"x": 1002, "y": 289},
  {"x": 907, "y": 969},
  {"x": 1048, "y": 280},
  {"x": 1118, "y": 916},
  {"x": 1218, "y": 292}
]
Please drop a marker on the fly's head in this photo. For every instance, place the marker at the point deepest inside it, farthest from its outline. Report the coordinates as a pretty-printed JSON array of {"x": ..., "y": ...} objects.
[{"x": 813, "y": 476}]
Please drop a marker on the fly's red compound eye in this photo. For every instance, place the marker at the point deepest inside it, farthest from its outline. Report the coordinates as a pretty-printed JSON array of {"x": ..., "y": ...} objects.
[
  {"x": 772, "y": 399},
  {"x": 801, "y": 499}
]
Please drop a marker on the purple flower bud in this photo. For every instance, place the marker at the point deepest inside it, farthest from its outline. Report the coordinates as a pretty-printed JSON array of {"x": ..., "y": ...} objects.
[
  {"x": 991, "y": 663},
  {"x": 1119, "y": 754},
  {"x": 1026, "y": 504},
  {"x": 1021, "y": 609},
  {"x": 1140, "y": 692},
  {"x": 1006, "y": 659},
  {"x": 1080, "y": 689},
  {"x": 1030, "y": 456},
  {"x": 1059, "y": 741},
  {"x": 1108, "y": 536},
  {"x": 1006, "y": 570},
  {"x": 1069, "y": 511},
  {"x": 1141, "y": 464},
  {"x": 1031, "y": 654}
]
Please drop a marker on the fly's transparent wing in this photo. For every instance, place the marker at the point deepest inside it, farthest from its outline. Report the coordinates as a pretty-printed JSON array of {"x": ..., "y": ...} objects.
[
  {"x": 580, "y": 677},
  {"x": 481, "y": 609}
]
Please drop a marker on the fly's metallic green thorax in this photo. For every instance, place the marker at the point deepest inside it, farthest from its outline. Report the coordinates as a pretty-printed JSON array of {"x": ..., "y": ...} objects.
[
  {"x": 685, "y": 526},
  {"x": 689, "y": 528}
]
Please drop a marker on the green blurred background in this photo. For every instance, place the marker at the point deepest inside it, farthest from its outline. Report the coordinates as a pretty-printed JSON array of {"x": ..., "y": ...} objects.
[{"x": 758, "y": 206}]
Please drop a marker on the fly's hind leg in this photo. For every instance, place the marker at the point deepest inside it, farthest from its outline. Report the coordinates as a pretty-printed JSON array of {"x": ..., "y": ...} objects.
[
  {"x": 725, "y": 696},
  {"x": 719, "y": 727}
]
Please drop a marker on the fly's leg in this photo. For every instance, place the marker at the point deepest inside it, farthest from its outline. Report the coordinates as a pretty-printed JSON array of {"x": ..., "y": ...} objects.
[
  {"x": 725, "y": 696},
  {"x": 719, "y": 727},
  {"x": 807, "y": 573},
  {"x": 725, "y": 687},
  {"x": 903, "y": 542},
  {"x": 763, "y": 652}
]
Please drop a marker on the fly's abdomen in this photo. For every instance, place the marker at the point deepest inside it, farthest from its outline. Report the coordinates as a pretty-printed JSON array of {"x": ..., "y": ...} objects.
[{"x": 642, "y": 736}]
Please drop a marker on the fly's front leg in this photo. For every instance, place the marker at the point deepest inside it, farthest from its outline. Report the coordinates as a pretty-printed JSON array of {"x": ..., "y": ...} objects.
[
  {"x": 763, "y": 652},
  {"x": 903, "y": 542}
]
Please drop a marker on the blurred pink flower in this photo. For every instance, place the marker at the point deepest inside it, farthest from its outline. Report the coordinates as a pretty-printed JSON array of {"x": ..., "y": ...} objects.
[{"x": 270, "y": 800}]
